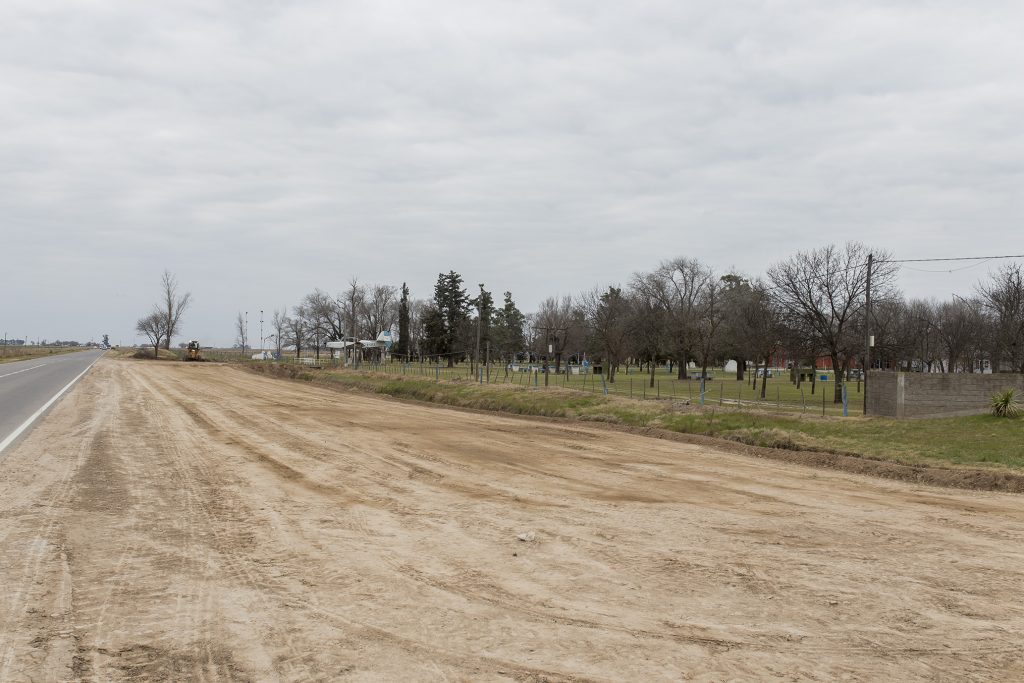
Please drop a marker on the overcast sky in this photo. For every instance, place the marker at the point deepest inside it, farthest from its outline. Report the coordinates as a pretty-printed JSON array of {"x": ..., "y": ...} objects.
[{"x": 261, "y": 149}]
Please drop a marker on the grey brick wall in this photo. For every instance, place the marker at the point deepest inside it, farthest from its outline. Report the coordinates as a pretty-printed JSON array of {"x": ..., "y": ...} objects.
[{"x": 918, "y": 394}]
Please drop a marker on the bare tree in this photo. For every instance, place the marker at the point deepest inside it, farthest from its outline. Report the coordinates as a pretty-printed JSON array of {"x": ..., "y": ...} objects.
[
  {"x": 380, "y": 309},
  {"x": 959, "y": 324},
  {"x": 755, "y": 321},
  {"x": 241, "y": 334},
  {"x": 825, "y": 290},
  {"x": 295, "y": 329},
  {"x": 651, "y": 319},
  {"x": 555, "y": 328},
  {"x": 152, "y": 326},
  {"x": 172, "y": 306},
  {"x": 1003, "y": 298},
  {"x": 685, "y": 282},
  {"x": 353, "y": 302},
  {"x": 279, "y": 324},
  {"x": 608, "y": 317}
]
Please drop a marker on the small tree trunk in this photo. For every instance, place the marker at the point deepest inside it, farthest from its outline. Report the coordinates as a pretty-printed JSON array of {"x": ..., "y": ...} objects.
[
  {"x": 764, "y": 376},
  {"x": 652, "y": 373},
  {"x": 741, "y": 367}
]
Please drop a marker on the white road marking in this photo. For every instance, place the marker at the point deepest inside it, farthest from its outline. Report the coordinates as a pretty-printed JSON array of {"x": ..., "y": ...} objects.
[
  {"x": 35, "y": 416},
  {"x": 20, "y": 371}
]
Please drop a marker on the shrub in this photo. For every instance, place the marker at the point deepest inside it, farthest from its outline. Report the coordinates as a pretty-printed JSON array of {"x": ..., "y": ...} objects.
[{"x": 1004, "y": 403}]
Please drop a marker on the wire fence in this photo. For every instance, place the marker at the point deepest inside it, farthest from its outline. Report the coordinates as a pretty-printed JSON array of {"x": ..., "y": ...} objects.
[{"x": 779, "y": 393}]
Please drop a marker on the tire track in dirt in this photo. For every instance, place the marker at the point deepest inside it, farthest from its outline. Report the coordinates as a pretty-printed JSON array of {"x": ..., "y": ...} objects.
[{"x": 225, "y": 526}]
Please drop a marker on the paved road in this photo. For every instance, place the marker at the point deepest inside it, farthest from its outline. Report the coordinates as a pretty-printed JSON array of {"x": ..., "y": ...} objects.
[{"x": 26, "y": 386}]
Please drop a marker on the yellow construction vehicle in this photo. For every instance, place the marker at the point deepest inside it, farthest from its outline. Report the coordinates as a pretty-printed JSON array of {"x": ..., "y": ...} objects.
[{"x": 193, "y": 353}]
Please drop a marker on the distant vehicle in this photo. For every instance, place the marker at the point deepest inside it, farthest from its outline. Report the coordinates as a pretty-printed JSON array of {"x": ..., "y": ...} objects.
[
  {"x": 193, "y": 352},
  {"x": 263, "y": 355}
]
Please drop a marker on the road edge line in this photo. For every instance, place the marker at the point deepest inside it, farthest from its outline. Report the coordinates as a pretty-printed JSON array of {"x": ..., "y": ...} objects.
[{"x": 12, "y": 437}]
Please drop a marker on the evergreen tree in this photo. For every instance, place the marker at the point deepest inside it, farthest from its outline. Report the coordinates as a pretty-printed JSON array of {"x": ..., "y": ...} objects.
[
  {"x": 484, "y": 305},
  {"x": 508, "y": 335},
  {"x": 402, "y": 347},
  {"x": 452, "y": 304}
]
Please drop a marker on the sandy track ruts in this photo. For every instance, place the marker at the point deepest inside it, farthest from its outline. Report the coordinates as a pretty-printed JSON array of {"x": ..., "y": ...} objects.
[{"x": 192, "y": 522}]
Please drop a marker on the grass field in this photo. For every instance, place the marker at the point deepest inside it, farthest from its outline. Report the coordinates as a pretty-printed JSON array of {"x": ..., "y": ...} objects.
[
  {"x": 723, "y": 389},
  {"x": 979, "y": 440},
  {"x": 10, "y": 354}
]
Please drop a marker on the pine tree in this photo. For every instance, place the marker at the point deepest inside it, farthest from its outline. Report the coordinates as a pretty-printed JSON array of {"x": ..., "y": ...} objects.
[
  {"x": 452, "y": 304},
  {"x": 402, "y": 347},
  {"x": 508, "y": 328},
  {"x": 484, "y": 305}
]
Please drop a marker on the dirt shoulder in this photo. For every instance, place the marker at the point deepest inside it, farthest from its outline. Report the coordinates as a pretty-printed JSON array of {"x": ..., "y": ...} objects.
[
  {"x": 173, "y": 521},
  {"x": 960, "y": 476}
]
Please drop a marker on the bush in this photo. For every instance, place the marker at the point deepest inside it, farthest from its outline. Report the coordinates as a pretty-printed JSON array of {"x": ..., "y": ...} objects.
[{"x": 1004, "y": 403}]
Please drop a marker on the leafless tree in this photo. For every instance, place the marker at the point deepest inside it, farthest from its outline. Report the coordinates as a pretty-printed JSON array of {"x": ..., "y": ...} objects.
[
  {"x": 241, "y": 334},
  {"x": 959, "y": 324},
  {"x": 295, "y": 329},
  {"x": 1003, "y": 298},
  {"x": 279, "y": 324},
  {"x": 172, "y": 306},
  {"x": 651, "y": 317},
  {"x": 555, "y": 325},
  {"x": 380, "y": 309},
  {"x": 755, "y": 320},
  {"x": 608, "y": 317},
  {"x": 824, "y": 290},
  {"x": 153, "y": 327},
  {"x": 685, "y": 283}
]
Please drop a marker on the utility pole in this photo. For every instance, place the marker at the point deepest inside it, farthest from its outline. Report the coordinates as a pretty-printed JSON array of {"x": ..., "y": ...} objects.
[
  {"x": 245, "y": 337},
  {"x": 261, "y": 334},
  {"x": 867, "y": 331}
]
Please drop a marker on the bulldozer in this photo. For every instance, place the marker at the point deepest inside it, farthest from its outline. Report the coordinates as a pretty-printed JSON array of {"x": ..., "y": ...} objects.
[{"x": 193, "y": 352}]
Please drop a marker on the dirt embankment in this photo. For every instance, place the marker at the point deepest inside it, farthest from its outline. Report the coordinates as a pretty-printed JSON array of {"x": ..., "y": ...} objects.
[
  {"x": 962, "y": 477},
  {"x": 191, "y": 522}
]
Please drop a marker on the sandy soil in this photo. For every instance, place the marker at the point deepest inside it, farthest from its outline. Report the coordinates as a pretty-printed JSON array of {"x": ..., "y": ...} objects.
[{"x": 194, "y": 522}]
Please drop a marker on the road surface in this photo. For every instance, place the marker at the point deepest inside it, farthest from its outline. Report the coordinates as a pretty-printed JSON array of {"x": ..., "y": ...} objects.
[
  {"x": 26, "y": 386},
  {"x": 172, "y": 521}
]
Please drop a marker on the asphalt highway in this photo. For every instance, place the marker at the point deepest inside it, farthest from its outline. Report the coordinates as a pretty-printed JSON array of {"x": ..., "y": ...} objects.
[{"x": 26, "y": 387}]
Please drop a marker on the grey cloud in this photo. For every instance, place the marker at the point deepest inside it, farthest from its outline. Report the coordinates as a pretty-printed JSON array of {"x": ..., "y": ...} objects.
[{"x": 263, "y": 149}]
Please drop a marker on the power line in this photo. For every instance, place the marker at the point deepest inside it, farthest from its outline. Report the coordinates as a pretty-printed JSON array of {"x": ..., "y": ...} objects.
[{"x": 952, "y": 258}]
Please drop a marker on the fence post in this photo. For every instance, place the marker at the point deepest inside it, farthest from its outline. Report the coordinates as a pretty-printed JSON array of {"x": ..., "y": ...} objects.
[{"x": 721, "y": 392}]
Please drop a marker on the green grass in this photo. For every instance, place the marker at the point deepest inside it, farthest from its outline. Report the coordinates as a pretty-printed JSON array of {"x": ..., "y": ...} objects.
[
  {"x": 980, "y": 440},
  {"x": 724, "y": 389},
  {"x": 10, "y": 354}
]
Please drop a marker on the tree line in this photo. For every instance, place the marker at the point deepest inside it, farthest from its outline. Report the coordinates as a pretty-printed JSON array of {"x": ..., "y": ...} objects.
[{"x": 682, "y": 313}]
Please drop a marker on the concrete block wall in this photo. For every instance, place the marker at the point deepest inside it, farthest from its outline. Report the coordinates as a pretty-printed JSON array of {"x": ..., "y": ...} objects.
[{"x": 918, "y": 394}]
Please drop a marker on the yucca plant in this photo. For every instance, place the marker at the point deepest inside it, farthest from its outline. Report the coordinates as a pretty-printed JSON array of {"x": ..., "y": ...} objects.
[{"x": 1004, "y": 403}]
